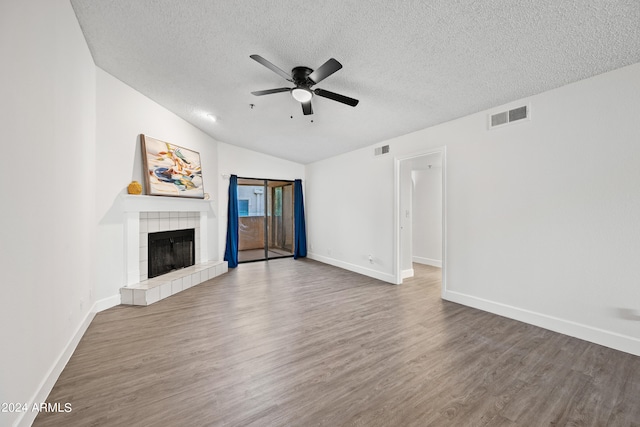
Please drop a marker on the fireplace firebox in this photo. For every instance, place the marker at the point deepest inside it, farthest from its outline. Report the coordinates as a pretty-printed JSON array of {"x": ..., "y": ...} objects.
[{"x": 170, "y": 250}]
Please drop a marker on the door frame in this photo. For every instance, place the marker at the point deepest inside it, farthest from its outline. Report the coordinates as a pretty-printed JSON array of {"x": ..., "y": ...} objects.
[
  {"x": 266, "y": 216},
  {"x": 398, "y": 162}
]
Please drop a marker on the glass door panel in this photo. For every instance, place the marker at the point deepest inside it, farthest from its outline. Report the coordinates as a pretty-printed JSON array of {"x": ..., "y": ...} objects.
[
  {"x": 265, "y": 223},
  {"x": 251, "y": 220},
  {"x": 280, "y": 230}
]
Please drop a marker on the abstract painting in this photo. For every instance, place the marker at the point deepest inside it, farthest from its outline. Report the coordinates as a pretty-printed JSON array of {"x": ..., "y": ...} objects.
[{"x": 171, "y": 170}]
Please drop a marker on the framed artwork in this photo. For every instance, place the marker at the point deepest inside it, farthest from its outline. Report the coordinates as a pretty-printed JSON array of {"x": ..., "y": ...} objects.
[{"x": 171, "y": 170}]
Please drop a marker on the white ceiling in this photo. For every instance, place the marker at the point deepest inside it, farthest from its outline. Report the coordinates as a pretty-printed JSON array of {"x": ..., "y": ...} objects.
[{"x": 412, "y": 64}]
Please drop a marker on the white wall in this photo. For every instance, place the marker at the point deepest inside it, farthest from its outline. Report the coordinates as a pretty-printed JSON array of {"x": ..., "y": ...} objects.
[
  {"x": 542, "y": 220},
  {"x": 122, "y": 115},
  {"x": 47, "y": 117},
  {"x": 427, "y": 216},
  {"x": 245, "y": 163},
  {"x": 350, "y": 211}
]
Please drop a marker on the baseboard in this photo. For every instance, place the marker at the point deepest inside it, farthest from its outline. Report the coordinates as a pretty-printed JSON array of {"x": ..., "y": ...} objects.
[
  {"x": 588, "y": 333},
  {"x": 106, "y": 303},
  {"x": 45, "y": 387},
  {"x": 407, "y": 273},
  {"x": 428, "y": 261},
  {"x": 385, "y": 277}
]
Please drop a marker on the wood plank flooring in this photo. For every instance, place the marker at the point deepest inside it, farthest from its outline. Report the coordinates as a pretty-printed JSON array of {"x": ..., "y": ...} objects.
[{"x": 300, "y": 343}]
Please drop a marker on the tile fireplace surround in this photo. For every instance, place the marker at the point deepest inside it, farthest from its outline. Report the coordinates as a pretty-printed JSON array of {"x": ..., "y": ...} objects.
[{"x": 149, "y": 214}]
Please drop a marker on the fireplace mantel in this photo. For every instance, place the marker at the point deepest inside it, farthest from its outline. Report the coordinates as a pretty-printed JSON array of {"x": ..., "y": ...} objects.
[{"x": 163, "y": 204}]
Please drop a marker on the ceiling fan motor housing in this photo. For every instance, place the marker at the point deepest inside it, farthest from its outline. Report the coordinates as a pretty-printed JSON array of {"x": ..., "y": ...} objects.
[{"x": 300, "y": 76}]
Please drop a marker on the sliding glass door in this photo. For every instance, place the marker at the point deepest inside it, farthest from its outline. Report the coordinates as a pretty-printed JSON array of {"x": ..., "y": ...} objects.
[{"x": 265, "y": 211}]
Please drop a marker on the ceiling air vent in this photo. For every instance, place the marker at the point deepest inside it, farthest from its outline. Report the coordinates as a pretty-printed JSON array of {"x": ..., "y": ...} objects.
[
  {"x": 506, "y": 117},
  {"x": 381, "y": 150}
]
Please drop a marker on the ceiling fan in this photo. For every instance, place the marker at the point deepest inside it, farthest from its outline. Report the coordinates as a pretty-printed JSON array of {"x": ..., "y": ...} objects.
[{"x": 304, "y": 78}]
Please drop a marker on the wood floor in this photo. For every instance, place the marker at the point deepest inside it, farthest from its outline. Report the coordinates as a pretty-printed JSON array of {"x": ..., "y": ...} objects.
[{"x": 300, "y": 343}]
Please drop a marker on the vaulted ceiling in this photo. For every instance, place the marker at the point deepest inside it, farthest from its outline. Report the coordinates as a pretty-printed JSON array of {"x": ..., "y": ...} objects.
[{"x": 412, "y": 64}]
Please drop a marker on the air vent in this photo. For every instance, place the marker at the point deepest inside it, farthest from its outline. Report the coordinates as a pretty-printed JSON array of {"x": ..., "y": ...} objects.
[
  {"x": 381, "y": 150},
  {"x": 499, "y": 119},
  {"x": 506, "y": 117}
]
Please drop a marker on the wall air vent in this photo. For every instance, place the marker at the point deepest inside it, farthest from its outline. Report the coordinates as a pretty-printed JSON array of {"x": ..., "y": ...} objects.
[
  {"x": 499, "y": 119},
  {"x": 381, "y": 150},
  {"x": 505, "y": 117}
]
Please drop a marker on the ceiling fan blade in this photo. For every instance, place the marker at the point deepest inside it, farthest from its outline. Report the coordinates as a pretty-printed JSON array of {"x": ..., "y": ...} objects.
[
  {"x": 336, "y": 97},
  {"x": 272, "y": 67},
  {"x": 270, "y": 91},
  {"x": 306, "y": 108},
  {"x": 325, "y": 70}
]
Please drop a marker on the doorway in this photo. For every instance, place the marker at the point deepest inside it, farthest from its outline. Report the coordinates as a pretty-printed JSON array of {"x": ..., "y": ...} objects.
[
  {"x": 420, "y": 213},
  {"x": 265, "y": 219}
]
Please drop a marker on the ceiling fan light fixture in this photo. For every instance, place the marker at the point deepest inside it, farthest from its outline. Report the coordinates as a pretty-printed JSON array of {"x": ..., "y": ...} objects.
[
  {"x": 304, "y": 78},
  {"x": 301, "y": 94}
]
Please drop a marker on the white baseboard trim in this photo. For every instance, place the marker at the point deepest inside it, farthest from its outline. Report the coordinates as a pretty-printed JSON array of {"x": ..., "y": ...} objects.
[
  {"x": 45, "y": 387},
  {"x": 588, "y": 333},
  {"x": 106, "y": 303},
  {"x": 407, "y": 273},
  {"x": 428, "y": 261},
  {"x": 385, "y": 277}
]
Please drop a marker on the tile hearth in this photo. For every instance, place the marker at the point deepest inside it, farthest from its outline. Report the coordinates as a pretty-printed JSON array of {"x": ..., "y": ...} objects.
[{"x": 153, "y": 290}]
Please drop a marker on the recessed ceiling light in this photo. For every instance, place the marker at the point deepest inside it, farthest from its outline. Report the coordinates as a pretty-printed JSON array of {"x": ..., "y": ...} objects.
[{"x": 212, "y": 117}]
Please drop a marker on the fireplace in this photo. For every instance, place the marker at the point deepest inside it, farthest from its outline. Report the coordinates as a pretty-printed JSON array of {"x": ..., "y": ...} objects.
[
  {"x": 144, "y": 215},
  {"x": 150, "y": 214},
  {"x": 170, "y": 250}
]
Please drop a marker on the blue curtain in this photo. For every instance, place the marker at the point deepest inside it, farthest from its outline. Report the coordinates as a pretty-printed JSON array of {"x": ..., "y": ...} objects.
[
  {"x": 300, "y": 232},
  {"x": 231, "y": 251}
]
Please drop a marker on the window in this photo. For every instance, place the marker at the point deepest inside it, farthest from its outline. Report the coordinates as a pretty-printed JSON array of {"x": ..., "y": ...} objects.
[{"x": 243, "y": 207}]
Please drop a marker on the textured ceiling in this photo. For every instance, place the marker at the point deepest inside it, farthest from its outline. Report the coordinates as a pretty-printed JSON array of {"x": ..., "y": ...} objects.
[{"x": 412, "y": 64}]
